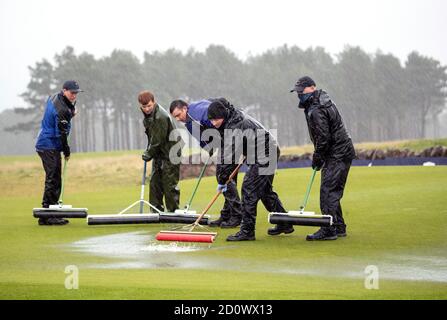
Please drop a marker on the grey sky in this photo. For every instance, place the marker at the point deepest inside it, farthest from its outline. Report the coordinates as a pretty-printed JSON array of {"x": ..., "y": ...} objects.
[{"x": 33, "y": 30}]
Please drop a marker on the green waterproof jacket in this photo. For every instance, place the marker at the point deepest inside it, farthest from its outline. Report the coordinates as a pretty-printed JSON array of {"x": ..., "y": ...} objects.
[{"x": 159, "y": 126}]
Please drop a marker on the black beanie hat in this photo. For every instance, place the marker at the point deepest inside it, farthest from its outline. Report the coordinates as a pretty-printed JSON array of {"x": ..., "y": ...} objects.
[{"x": 217, "y": 110}]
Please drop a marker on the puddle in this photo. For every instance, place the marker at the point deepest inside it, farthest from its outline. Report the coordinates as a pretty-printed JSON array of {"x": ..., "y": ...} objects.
[
  {"x": 409, "y": 268},
  {"x": 140, "y": 250}
]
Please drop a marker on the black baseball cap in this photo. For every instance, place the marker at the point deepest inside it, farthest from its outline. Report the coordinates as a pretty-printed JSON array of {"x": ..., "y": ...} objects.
[
  {"x": 72, "y": 85},
  {"x": 302, "y": 83}
]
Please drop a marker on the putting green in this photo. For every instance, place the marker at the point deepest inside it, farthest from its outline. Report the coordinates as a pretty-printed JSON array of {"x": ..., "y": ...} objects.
[{"x": 397, "y": 225}]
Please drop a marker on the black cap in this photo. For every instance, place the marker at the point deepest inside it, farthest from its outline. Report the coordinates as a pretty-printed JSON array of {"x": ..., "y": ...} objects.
[
  {"x": 72, "y": 86},
  {"x": 302, "y": 83},
  {"x": 217, "y": 110}
]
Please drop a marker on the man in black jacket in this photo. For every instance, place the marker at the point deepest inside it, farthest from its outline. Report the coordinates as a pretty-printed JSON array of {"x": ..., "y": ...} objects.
[
  {"x": 243, "y": 135},
  {"x": 333, "y": 154}
]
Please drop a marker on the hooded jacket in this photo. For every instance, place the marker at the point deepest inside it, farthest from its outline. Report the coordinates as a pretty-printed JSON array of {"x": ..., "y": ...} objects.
[
  {"x": 243, "y": 135},
  {"x": 326, "y": 129}
]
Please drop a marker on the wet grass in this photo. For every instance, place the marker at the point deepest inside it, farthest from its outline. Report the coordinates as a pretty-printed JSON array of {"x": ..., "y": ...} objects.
[{"x": 397, "y": 220}]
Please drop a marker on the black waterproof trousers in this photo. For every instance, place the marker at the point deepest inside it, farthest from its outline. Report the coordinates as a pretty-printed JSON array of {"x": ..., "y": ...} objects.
[
  {"x": 257, "y": 187},
  {"x": 52, "y": 164},
  {"x": 164, "y": 184},
  {"x": 232, "y": 208},
  {"x": 333, "y": 180}
]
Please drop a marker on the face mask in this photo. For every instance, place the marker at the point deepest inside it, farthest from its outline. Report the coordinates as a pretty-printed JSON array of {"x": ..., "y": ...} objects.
[{"x": 304, "y": 97}]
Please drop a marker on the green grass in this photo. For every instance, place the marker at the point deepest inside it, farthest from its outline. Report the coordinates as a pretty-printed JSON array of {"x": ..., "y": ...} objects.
[{"x": 397, "y": 220}]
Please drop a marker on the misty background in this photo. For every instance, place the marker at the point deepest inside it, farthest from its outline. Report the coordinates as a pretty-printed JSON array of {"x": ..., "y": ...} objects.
[{"x": 382, "y": 62}]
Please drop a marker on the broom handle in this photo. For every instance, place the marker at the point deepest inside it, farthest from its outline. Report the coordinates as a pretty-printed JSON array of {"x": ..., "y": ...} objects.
[
  {"x": 61, "y": 196},
  {"x": 188, "y": 205},
  {"x": 308, "y": 190},
  {"x": 143, "y": 182},
  {"x": 218, "y": 194}
]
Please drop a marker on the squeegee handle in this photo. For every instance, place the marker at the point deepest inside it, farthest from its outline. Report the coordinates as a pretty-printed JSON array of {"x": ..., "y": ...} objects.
[
  {"x": 218, "y": 194},
  {"x": 306, "y": 197},
  {"x": 188, "y": 205},
  {"x": 143, "y": 182},
  {"x": 60, "y": 201}
]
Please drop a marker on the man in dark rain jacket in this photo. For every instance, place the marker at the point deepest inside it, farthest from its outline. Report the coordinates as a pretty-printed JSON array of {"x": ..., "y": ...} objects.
[
  {"x": 243, "y": 135},
  {"x": 165, "y": 174},
  {"x": 195, "y": 117},
  {"x": 52, "y": 140},
  {"x": 333, "y": 154}
]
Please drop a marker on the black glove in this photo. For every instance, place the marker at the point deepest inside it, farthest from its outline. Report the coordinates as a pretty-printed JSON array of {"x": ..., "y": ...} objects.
[
  {"x": 67, "y": 152},
  {"x": 146, "y": 157},
  {"x": 317, "y": 162}
]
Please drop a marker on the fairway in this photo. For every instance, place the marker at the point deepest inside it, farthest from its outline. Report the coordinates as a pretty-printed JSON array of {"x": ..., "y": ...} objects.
[{"x": 396, "y": 217}]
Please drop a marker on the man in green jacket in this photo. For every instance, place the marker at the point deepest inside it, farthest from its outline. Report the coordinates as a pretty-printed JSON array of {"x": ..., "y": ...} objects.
[{"x": 165, "y": 174}]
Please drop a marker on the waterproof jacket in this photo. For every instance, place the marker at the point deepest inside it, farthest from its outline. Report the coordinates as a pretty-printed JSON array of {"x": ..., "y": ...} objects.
[
  {"x": 251, "y": 139},
  {"x": 55, "y": 126},
  {"x": 326, "y": 128},
  {"x": 158, "y": 126},
  {"x": 197, "y": 116}
]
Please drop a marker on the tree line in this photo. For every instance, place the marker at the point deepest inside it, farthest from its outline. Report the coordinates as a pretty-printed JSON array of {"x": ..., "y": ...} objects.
[{"x": 379, "y": 97}]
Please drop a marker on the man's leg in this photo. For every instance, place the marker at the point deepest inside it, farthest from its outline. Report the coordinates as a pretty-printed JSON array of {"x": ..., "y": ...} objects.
[
  {"x": 51, "y": 161},
  {"x": 225, "y": 213},
  {"x": 170, "y": 177},
  {"x": 333, "y": 180},
  {"x": 335, "y": 194},
  {"x": 231, "y": 213},
  {"x": 156, "y": 186},
  {"x": 250, "y": 196},
  {"x": 272, "y": 203},
  {"x": 232, "y": 206}
]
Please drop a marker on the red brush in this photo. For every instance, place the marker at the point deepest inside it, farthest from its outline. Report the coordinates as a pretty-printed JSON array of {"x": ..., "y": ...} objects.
[{"x": 190, "y": 236}]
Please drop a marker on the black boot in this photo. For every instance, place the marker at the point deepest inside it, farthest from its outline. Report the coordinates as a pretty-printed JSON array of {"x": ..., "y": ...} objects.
[
  {"x": 232, "y": 223},
  {"x": 280, "y": 228},
  {"x": 341, "y": 230},
  {"x": 242, "y": 236},
  {"x": 217, "y": 223},
  {"x": 325, "y": 233},
  {"x": 43, "y": 222},
  {"x": 56, "y": 222}
]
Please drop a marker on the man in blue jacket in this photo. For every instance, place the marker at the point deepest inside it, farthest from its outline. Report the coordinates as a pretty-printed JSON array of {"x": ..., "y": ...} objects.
[
  {"x": 52, "y": 140},
  {"x": 195, "y": 117}
]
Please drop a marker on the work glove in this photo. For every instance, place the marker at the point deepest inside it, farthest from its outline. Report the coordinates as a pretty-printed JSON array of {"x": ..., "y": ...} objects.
[
  {"x": 146, "y": 157},
  {"x": 222, "y": 188},
  {"x": 67, "y": 152},
  {"x": 317, "y": 162}
]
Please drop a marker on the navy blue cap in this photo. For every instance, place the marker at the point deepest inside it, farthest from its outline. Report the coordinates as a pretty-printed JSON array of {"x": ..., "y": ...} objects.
[
  {"x": 303, "y": 83},
  {"x": 72, "y": 85}
]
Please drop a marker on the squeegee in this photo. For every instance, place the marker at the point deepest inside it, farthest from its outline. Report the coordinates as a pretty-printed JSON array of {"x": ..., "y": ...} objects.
[
  {"x": 301, "y": 217},
  {"x": 60, "y": 210},
  {"x": 122, "y": 217}
]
